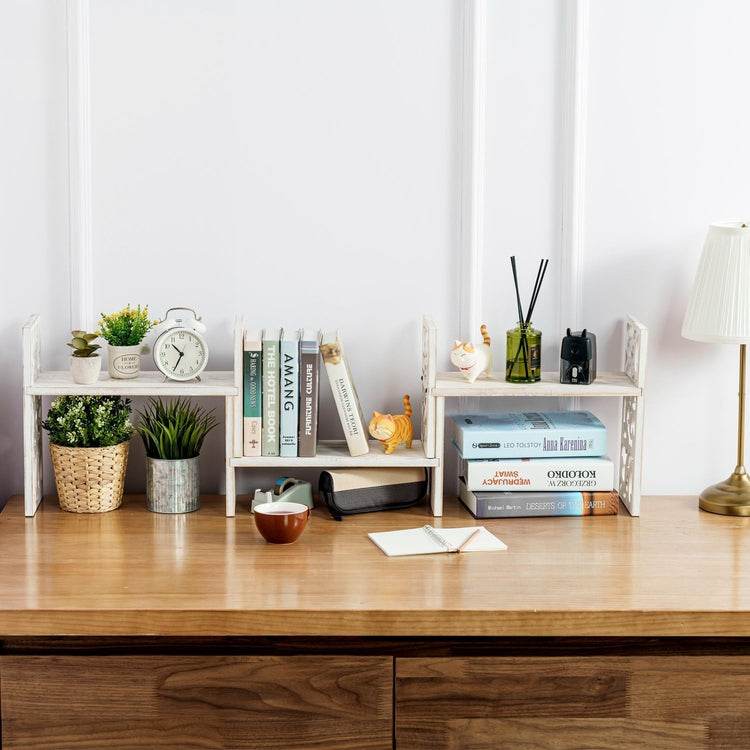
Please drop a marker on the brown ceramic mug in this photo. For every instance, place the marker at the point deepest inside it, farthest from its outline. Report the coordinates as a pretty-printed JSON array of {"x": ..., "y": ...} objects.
[{"x": 281, "y": 522}]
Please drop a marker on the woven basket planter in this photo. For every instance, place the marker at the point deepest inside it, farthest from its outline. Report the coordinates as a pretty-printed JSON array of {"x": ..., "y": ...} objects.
[{"x": 90, "y": 480}]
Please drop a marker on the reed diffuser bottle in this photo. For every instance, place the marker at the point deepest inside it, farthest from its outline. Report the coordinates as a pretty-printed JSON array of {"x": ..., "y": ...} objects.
[
  {"x": 523, "y": 348},
  {"x": 523, "y": 354}
]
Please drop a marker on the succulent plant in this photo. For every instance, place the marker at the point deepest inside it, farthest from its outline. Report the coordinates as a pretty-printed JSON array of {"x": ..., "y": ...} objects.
[{"x": 81, "y": 344}]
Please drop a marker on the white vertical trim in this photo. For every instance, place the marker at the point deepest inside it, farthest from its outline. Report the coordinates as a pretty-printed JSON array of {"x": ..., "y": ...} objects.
[
  {"x": 79, "y": 166},
  {"x": 472, "y": 166},
  {"x": 573, "y": 139}
]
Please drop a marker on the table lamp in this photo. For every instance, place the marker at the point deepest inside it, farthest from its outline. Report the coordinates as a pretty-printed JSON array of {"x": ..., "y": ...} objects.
[{"x": 719, "y": 312}]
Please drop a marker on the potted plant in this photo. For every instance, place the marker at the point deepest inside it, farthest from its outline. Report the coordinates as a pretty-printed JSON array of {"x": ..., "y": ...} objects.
[
  {"x": 85, "y": 363},
  {"x": 173, "y": 434},
  {"x": 124, "y": 332},
  {"x": 89, "y": 439}
]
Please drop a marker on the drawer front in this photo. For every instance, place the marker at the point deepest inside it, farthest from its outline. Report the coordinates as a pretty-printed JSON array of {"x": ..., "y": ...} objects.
[
  {"x": 196, "y": 701},
  {"x": 679, "y": 702}
]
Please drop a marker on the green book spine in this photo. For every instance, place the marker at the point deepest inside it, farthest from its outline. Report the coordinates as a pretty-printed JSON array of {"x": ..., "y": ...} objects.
[{"x": 270, "y": 431}]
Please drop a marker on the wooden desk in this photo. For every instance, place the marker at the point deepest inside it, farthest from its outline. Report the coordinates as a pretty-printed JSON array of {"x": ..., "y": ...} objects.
[{"x": 135, "y": 629}]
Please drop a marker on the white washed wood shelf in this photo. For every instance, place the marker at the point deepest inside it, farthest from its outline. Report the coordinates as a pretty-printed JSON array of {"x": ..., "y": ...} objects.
[
  {"x": 330, "y": 453},
  {"x": 627, "y": 384},
  {"x": 148, "y": 383},
  {"x": 37, "y": 383},
  {"x": 335, "y": 453}
]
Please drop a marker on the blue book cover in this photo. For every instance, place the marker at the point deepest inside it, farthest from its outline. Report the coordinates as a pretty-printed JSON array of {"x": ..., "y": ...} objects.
[
  {"x": 529, "y": 434},
  {"x": 288, "y": 392}
]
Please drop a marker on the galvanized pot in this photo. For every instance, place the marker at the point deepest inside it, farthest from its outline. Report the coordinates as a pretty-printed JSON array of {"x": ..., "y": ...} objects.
[{"x": 172, "y": 486}]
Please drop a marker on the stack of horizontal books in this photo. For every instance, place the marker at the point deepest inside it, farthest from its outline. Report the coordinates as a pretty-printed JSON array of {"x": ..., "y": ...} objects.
[{"x": 534, "y": 464}]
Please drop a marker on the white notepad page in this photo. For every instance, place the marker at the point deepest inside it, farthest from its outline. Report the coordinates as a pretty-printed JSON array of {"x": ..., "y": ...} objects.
[{"x": 427, "y": 541}]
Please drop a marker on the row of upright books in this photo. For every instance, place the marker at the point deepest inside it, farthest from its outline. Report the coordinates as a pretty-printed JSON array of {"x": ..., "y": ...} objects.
[
  {"x": 534, "y": 464},
  {"x": 280, "y": 392}
]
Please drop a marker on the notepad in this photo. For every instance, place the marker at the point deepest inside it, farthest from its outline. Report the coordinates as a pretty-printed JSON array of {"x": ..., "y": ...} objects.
[{"x": 427, "y": 540}]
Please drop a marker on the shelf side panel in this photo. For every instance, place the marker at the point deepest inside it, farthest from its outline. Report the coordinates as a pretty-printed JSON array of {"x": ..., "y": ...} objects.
[{"x": 631, "y": 433}]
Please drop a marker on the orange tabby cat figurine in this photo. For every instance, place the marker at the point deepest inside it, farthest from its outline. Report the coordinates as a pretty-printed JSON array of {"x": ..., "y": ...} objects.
[
  {"x": 473, "y": 360},
  {"x": 393, "y": 430}
]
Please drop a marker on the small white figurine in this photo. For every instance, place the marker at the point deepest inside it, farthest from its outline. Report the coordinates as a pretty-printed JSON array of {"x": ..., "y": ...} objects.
[{"x": 471, "y": 360}]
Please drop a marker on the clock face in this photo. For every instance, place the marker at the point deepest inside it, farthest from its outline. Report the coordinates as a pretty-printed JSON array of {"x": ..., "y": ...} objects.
[{"x": 181, "y": 354}]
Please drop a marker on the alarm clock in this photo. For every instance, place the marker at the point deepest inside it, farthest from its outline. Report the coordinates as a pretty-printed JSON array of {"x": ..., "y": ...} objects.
[{"x": 180, "y": 351}]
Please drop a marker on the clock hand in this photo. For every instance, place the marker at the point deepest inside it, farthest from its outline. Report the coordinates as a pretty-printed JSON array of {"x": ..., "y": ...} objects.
[
  {"x": 174, "y": 369},
  {"x": 174, "y": 347}
]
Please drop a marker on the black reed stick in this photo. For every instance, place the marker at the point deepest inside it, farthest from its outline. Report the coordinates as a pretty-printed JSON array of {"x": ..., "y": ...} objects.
[
  {"x": 537, "y": 286},
  {"x": 515, "y": 282}
]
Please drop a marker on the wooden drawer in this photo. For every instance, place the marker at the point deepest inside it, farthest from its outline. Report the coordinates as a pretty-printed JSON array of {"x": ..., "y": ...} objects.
[
  {"x": 196, "y": 701},
  {"x": 675, "y": 701}
]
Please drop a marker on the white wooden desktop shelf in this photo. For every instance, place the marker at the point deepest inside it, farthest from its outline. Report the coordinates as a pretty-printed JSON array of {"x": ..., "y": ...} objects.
[{"x": 627, "y": 385}]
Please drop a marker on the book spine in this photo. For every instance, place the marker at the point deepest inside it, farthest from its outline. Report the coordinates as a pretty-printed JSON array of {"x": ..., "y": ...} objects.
[
  {"x": 270, "y": 444},
  {"x": 590, "y": 474},
  {"x": 533, "y": 504},
  {"x": 309, "y": 388},
  {"x": 345, "y": 397},
  {"x": 289, "y": 397},
  {"x": 252, "y": 389},
  {"x": 509, "y": 444}
]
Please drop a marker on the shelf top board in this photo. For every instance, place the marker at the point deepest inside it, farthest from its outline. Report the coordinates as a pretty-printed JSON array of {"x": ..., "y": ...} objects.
[
  {"x": 150, "y": 382},
  {"x": 335, "y": 454},
  {"x": 606, "y": 384}
]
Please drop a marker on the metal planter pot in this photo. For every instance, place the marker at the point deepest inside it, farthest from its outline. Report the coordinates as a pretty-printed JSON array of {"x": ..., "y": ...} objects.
[{"x": 172, "y": 486}]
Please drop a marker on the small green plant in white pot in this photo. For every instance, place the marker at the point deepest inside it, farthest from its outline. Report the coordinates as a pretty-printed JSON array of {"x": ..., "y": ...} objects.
[
  {"x": 173, "y": 433},
  {"x": 85, "y": 362}
]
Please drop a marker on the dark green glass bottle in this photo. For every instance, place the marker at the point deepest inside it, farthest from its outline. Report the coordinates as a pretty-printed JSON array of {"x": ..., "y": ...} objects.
[{"x": 523, "y": 354}]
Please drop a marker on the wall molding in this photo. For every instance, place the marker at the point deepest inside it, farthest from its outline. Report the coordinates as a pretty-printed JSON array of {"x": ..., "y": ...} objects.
[
  {"x": 573, "y": 167},
  {"x": 79, "y": 166},
  {"x": 473, "y": 116}
]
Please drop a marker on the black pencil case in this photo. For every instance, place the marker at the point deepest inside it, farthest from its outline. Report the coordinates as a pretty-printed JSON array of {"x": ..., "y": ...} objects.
[{"x": 360, "y": 490}]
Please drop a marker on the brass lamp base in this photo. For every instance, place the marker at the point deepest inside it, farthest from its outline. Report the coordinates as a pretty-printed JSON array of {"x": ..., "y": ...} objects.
[{"x": 730, "y": 497}]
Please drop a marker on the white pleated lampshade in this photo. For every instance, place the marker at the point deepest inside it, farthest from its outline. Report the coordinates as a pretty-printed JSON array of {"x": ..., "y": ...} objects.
[{"x": 719, "y": 306}]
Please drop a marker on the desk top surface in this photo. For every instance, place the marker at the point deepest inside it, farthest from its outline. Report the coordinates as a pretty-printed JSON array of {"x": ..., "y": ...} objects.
[{"x": 673, "y": 571}]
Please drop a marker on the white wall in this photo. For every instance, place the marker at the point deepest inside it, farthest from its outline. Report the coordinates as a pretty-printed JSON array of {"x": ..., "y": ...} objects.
[{"x": 300, "y": 161}]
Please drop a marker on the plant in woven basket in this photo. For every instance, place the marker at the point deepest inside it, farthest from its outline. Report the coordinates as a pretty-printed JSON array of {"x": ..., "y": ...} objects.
[
  {"x": 89, "y": 441},
  {"x": 88, "y": 421},
  {"x": 174, "y": 430},
  {"x": 127, "y": 327},
  {"x": 81, "y": 344}
]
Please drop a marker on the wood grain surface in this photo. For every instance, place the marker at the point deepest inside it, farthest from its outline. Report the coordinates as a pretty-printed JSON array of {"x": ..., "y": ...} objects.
[
  {"x": 673, "y": 571},
  {"x": 677, "y": 703},
  {"x": 266, "y": 702}
]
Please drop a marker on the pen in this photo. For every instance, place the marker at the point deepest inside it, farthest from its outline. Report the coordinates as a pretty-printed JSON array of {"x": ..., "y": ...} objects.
[{"x": 472, "y": 536}]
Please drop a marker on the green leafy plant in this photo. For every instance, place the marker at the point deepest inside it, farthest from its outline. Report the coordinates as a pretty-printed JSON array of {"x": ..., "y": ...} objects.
[
  {"x": 81, "y": 344},
  {"x": 127, "y": 327},
  {"x": 88, "y": 421},
  {"x": 174, "y": 430}
]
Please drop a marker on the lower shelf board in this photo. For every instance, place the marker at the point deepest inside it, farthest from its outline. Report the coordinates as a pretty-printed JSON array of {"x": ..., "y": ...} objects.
[{"x": 336, "y": 453}]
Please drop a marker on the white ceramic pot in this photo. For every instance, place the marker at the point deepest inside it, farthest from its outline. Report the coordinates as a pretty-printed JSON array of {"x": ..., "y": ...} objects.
[
  {"x": 85, "y": 370},
  {"x": 124, "y": 361}
]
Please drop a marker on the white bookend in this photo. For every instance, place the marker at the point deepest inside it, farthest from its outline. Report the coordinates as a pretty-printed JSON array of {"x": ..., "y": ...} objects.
[
  {"x": 344, "y": 393},
  {"x": 288, "y": 392}
]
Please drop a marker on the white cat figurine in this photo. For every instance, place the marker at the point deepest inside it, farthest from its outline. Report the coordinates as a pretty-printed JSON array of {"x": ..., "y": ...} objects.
[{"x": 472, "y": 360}]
